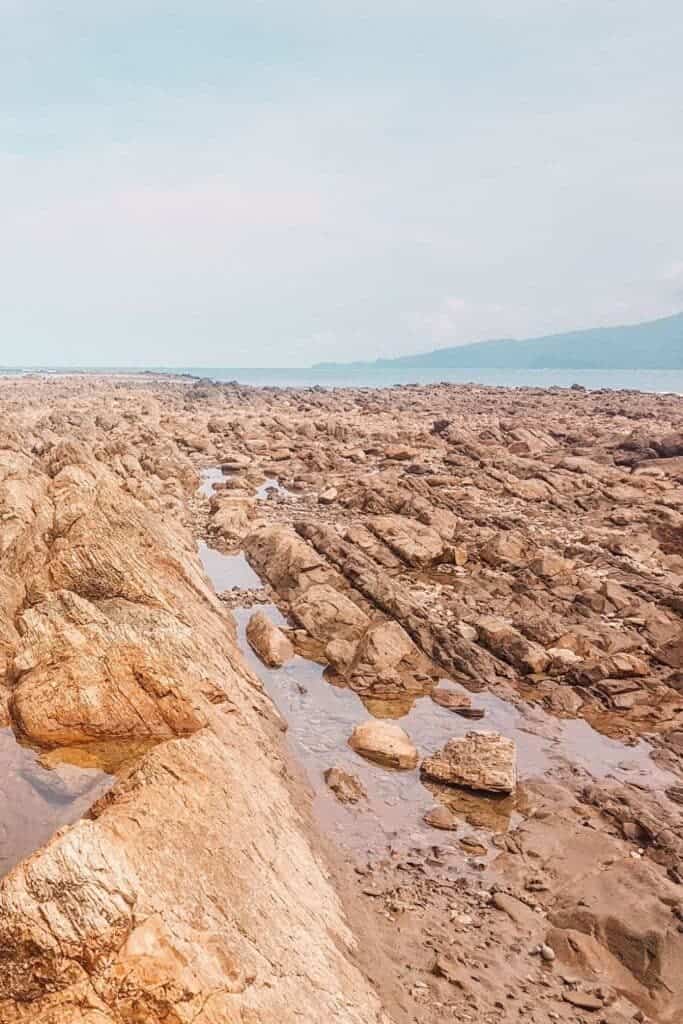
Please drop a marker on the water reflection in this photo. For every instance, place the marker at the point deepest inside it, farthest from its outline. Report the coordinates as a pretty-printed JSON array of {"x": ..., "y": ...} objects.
[
  {"x": 272, "y": 485},
  {"x": 39, "y": 794},
  {"x": 321, "y": 713},
  {"x": 227, "y": 571},
  {"x": 209, "y": 478}
]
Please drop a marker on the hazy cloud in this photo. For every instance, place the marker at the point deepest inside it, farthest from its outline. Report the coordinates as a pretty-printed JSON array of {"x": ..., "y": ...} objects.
[{"x": 305, "y": 181}]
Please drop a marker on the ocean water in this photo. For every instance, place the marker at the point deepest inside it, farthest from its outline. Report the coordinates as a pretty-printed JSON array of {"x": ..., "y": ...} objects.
[{"x": 376, "y": 377}]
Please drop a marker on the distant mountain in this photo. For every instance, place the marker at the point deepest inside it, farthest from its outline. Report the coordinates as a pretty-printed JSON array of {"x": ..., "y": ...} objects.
[{"x": 656, "y": 345}]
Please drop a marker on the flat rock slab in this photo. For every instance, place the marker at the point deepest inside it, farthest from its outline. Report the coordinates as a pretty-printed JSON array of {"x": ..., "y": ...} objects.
[
  {"x": 385, "y": 743},
  {"x": 483, "y": 761}
]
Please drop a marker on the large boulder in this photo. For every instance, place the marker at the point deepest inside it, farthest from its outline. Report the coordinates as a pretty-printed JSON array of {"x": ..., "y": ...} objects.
[
  {"x": 483, "y": 761},
  {"x": 387, "y": 662}
]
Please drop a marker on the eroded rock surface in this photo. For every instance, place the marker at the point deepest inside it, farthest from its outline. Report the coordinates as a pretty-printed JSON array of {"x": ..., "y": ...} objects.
[
  {"x": 384, "y": 742},
  {"x": 160, "y": 905},
  {"x": 525, "y": 545},
  {"x": 269, "y": 642},
  {"x": 480, "y": 760}
]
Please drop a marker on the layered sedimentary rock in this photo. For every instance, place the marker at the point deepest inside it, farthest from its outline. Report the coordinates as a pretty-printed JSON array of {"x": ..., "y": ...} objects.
[{"x": 190, "y": 892}]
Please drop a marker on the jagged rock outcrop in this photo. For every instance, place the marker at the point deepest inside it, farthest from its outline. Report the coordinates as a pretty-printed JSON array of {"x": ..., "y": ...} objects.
[{"x": 190, "y": 892}]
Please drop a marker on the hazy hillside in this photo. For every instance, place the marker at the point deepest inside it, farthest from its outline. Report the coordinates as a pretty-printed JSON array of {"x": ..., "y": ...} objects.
[{"x": 656, "y": 345}]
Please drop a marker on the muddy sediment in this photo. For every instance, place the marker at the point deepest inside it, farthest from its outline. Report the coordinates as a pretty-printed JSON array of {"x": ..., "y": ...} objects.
[{"x": 446, "y": 558}]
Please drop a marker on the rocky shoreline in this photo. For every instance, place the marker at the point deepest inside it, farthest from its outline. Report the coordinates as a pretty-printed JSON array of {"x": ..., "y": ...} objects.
[{"x": 430, "y": 556}]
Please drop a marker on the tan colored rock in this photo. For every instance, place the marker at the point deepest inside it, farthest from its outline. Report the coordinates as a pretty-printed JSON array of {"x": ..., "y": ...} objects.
[
  {"x": 511, "y": 646},
  {"x": 384, "y": 742},
  {"x": 505, "y": 549},
  {"x": 440, "y": 817},
  {"x": 549, "y": 564},
  {"x": 328, "y": 613},
  {"x": 416, "y": 544},
  {"x": 671, "y": 653},
  {"x": 617, "y": 666},
  {"x": 386, "y": 661},
  {"x": 483, "y": 761},
  {"x": 235, "y": 462},
  {"x": 232, "y": 516},
  {"x": 346, "y": 786},
  {"x": 269, "y": 642},
  {"x": 454, "y": 700},
  {"x": 122, "y": 639},
  {"x": 290, "y": 564}
]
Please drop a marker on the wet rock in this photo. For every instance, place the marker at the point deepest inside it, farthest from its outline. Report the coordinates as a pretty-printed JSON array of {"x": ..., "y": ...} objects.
[
  {"x": 385, "y": 743},
  {"x": 564, "y": 700},
  {"x": 286, "y": 561},
  {"x": 117, "y": 635},
  {"x": 269, "y": 642},
  {"x": 454, "y": 700},
  {"x": 617, "y": 666},
  {"x": 387, "y": 662},
  {"x": 457, "y": 701},
  {"x": 235, "y": 462},
  {"x": 231, "y": 516},
  {"x": 346, "y": 787},
  {"x": 483, "y": 761}
]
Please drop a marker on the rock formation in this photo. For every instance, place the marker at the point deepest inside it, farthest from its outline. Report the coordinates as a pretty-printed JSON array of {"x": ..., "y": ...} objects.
[
  {"x": 525, "y": 546},
  {"x": 480, "y": 760},
  {"x": 269, "y": 642},
  {"x": 385, "y": 743}
]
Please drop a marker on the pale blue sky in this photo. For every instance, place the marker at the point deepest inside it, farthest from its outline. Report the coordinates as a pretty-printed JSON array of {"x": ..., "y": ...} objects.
[{"x": 285, "y": 181}]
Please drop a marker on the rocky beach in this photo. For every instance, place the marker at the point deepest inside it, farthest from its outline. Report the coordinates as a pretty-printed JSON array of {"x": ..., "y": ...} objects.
[{"x": 354, "y": 705}]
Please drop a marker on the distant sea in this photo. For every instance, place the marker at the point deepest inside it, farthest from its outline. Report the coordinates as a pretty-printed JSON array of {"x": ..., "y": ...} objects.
[{"x": 377, "y": 377}]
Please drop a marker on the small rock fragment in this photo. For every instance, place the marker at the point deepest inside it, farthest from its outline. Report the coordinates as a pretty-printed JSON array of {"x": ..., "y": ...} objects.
[
  {"x": 347, "y": 787},
  {"x": 441, "y": 817},
  {"x": 328, "y": 496},
  {"x": 584, "y": 1000}
]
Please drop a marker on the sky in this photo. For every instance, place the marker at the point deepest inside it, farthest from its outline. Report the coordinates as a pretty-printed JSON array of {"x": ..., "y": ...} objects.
[{"x": 279, "y": 182}]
